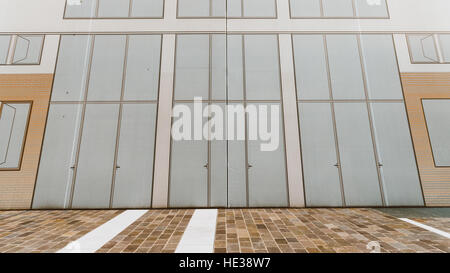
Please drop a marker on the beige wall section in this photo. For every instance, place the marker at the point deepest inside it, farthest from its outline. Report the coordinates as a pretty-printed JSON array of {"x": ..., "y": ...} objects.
[
  {"x": 163, "y": 130},
  {"x": 418, "y": 86},
  {"x": 16, "y": 187},
  {"x": 291, "y": 130}
]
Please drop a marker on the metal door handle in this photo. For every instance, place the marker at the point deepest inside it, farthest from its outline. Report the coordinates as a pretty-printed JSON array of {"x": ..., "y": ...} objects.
[
  {"x": 249, "y": 166},
  {"x": 206, "y": 165},
  {"x": 117, "y": 167},
  {"x": 380, "y": 164},
  {"x": 337, "y": 165}
]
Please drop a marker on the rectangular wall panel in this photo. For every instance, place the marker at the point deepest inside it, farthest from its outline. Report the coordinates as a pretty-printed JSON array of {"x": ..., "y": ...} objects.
[
  {"x": 305, "y": 8},
  {"x": 113, "y": 8},
  {"x": 85, "y": 9},
  {"x": 218, "y": 162},
  {"x": 359, "y": 169},
  {"x": 218, "y": 67},
  {"x": 366, "y": 8},
  {"x": 142, "y": 68},
  {"x": 105, "y": 82},
  {"x": 193, "y": 8},
  {"x": 259, "y": 8},
  {"x": 72, "y": 67},
  {"x": 337, "y": 8},
  {"x": 235, "y": 66},
  {"x": 401, "y": 183},
  {"x": 54, "y": 181},
  {"x": 321, "y": 175},
  {"x": 134, "y": 172},
  {"x": 96, "y": 158},
  {"x": 4, "y": 48},
  {"x": 147, "y": 8},
  {"x": 28, "y": 49}
]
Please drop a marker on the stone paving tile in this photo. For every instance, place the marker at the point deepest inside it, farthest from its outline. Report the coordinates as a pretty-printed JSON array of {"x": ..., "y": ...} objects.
[
  {"x": 47, "y": 231},
  {"x": 155, "y": 231},
  {"x": 320, "y": 230},
  {"x": 436, "y": 222}
]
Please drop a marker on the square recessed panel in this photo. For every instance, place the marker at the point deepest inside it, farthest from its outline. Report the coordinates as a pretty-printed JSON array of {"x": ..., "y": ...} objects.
[{"x": 437, "y": 116}]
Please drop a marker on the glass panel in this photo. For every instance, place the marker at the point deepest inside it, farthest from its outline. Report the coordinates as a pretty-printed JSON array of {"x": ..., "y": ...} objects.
[
  {"x": 113, "y": 8},
  {"x": 259, "y": 8},
  {"x": 95, "y": 163},
  {"x": 338, "y": 8},
  {"x": 80, "y": 8},
  {"x": 367, "y": 8},
  {"x": 189, "y": 172},
  {"x": 345, "y": 67},
  {"x": 142, "y": 68},
  {"x": 192, "y": 67},
  {"x": 262, "y": 68},
  {"x": 105, "y": 82},
  {"x": 28, "y": 49},
  {"x": 437, "y": 114},
  {"x": 218, "y": 67},
  {"x": 267, "y": 171},
  {"x": 147, "y": 8},
  {"x": 4, "y": 48},
  {"x": 133, "y": 183},
  {"x": 445, "y": 46},
  {"x": 13, "y": 130},
  {"x": 235, "y": 67},
  {"x": 193, "y": 8},
  {"x": 423, "y": 49},
  {"x": 55, "y": 174},
  {"x": 359, "y": 170},
  {"x": 383, "y": 80},
  {"x": 310, "y": 67},
  {"x": 399, "y": 171},
  {"x": 70, "y": 75},
  {"x": 305, "y": 8},
  {"x": 218, "y": 165},
  {"x": 321, "y": 176}
]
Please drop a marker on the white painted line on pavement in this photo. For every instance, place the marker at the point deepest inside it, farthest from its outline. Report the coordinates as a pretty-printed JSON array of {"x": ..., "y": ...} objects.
[
  {"x": 432, "y": 229},
  {"x": 96, "y": 238},
  {"x": 200, "y": 233}
]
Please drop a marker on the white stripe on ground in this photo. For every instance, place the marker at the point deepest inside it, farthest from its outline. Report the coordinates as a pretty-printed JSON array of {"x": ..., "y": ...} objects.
[
  {"x": 96, "y": 238},
  {"x": 432, "y": 229},
  {"x": 200, "y": 233}
]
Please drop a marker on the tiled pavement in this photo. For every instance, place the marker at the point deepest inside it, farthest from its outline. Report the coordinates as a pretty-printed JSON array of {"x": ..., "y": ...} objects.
[
  {"x": 320, "y": 230},
  {"x": 237, "y": 230},
  {"x": 47, "y": 231},
  {"x": 155, "y": 231}
]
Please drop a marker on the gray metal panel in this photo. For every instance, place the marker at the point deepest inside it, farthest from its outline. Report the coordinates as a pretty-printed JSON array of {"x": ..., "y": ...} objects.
[
  {"x": 192, "y": 67},
  {"x": 262, "y": 68},
  {"x": 82, "y": 9},
  {"x": 72, "y": 67},
  {"x": 218, "y": 165},
  {"x": 234, "y": 8},
  {"x": 55, "y": 174},
  {"x": 445, "y": 46},
  {"x": 13, "y": 124},
  {"x": 113, "y": 8},
  {"x": 399, "y": 171},
  {"x": 4, "y": 48},
  {"x": 147, "y": 8},
  {"x": 338, "y": 8},
  {"x": 321, "y": 176},
  {"x": 188, "y": 174},
  {"x": 95, "y": 162},
  {"x": 193, "y": 8},
  {"x": 142, "y": 68},
  {"x": 359, "y": 171},
  {"x": 365, "y": 8},
  {"x": 235, "y": 67},
  {"x": 310, "y": 67},
  {"x": 133, "y": 184},
  {"x": 218, "y": 8},
  {"x": 107, "y": 68},
  {"x": 437, "y": 114},
  {"x": 423, "y": 48},
  {"x": 259, "y": 8},
  {"x": 380, "y": 61},
  {"x": 218, "y": 67},
  {"x": 267, "y": 176},
  {"x": 28, "y": 49},
  {"x": 345, "y": 67},
  {"x": 305, "y": 8}
]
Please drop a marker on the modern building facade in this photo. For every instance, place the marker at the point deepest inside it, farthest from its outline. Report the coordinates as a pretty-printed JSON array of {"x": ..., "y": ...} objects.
[{"x": 88, "y": 88}]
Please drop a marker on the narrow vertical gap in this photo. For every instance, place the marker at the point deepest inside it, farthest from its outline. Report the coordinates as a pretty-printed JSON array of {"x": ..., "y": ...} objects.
[
  {"x": 371, "y": 124},
  {"x": 130, "y": 7},
  {"x": 322, "y": 13},
  {"x": 354, "y": 9},
  {"x": 119, "y": 122},
  {"x": 83, "y": 114}
]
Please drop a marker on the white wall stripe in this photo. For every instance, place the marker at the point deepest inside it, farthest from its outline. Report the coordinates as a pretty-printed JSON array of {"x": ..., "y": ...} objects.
[
  {"x": 200, "y": 233},
  {"x": 432, "y": 229},
  {"x": 96, "y": 238}
]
